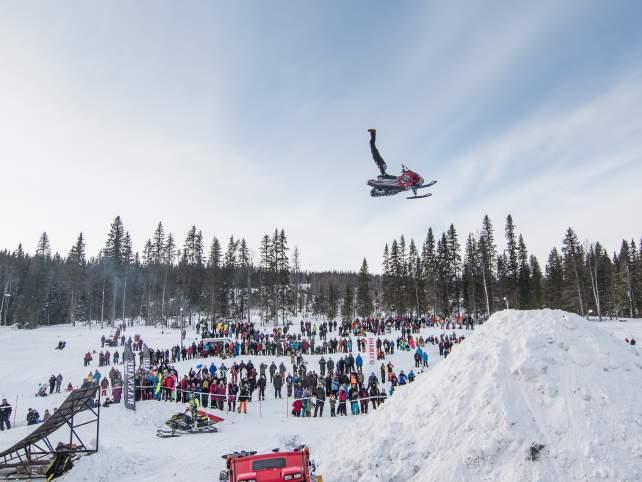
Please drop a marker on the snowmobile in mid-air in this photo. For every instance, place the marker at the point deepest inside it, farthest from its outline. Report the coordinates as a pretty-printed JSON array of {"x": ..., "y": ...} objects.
[
  {"x": 183, "y": 424},
  {"x": 387, "y": 185}
]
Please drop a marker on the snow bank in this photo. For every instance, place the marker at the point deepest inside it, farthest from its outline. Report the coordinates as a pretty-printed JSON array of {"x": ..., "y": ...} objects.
[{"x": 524, "y": 377}]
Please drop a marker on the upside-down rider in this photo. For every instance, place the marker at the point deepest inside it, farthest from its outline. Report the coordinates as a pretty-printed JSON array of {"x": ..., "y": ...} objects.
[
  {"x": 381, "y": 164},
  {"x": 408, "y": 179}
]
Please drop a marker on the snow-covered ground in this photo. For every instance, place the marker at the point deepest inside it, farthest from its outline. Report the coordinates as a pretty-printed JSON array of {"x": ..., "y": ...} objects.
[
  {"x": 129, "y": 448},
  {"x": 523, "y": 377}
]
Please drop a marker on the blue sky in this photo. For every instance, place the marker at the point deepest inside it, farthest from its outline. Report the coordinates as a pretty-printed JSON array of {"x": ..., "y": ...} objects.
[{"x": 243, "y": 116}]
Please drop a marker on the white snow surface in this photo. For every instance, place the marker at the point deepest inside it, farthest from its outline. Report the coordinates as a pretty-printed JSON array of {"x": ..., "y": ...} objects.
[
  {"x": 541, "y": 376},
  {"x": 525, "y": 377}
]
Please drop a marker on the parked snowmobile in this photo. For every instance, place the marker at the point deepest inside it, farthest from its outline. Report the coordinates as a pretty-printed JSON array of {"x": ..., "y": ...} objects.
[
  {"x": 388, "y": 185},
  {"x": 183, "y": 424}
]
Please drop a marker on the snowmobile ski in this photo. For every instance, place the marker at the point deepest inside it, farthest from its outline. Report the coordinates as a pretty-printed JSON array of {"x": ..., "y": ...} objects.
[
  {"x": 420, "y": 197},
  {"x": 431, "y": 183},
  {"x": 166, "y": 433}
]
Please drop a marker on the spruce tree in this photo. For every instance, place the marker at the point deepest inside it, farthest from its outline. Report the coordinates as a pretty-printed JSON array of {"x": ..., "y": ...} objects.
[
  {"x": 158, "y": 243},
  {"x": 454, "y": 265},
  {"x": 332, "y": 302},
  {"x": 524, "y": 276},
  {"x": 75, "y": 273},
  {"x": 396, "y": 279},
  {"x": 113, "y": 255},
  {"x": 537, "y": 280},
  {"x": 43, "y": 250},
  {"x": 347, "y": 307},
  {"x": 470, "y": 274},
  {"x": 554, "y": 280},
  {"x": 443, "y": 262},
  {"x": 573, "y": 262},
  {"x": 364, "y": 301},
  {"x": 387, "y": 281},
  {"x": 488, "y": 259},
  {"x": 512, "y": 266},
  {"x": 429, "y": 267}
]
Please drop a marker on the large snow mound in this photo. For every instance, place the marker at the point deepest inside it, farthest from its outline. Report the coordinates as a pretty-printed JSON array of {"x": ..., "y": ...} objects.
[{"x": 524, "y": 377}]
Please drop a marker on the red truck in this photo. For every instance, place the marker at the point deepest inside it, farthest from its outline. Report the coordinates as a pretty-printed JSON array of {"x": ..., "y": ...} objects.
[{"x": 276, "y": 466}]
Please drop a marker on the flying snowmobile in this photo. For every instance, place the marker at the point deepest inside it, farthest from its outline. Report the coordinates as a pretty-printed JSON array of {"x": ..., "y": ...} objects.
[{"x": 388, "y": 185}]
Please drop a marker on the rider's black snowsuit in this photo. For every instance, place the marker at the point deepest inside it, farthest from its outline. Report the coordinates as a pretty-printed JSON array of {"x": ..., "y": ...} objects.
[{"x": 381, "y": 164}]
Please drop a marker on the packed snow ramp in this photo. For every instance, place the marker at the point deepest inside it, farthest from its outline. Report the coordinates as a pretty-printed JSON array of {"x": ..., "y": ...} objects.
[{"x": 531, "y": 395}]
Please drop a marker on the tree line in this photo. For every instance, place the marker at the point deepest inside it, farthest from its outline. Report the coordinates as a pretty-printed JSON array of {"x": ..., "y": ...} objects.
[
  {"x": 168, "y": 283},
  {"x": 441, "y": 276}
]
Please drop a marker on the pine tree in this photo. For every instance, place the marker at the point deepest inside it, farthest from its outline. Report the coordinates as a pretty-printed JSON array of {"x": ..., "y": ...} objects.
[
  {"x": 488, "y": 257},
  {"x": 591, "y": 263},
  {"x": 214, "y": 278},
  {"x": 347, "y": 307},
  {"x": 113, "y": 255},
  {"x": 215, "y": 255},
  {"x": 332, "y": 302},
  {"x": 415, "y": 289},
  {"x": 454, "y": 265},
  {"x": 158, "y": 244},
  {"x": 536, "y": 286},
  {"x": 364, "y": 301},
  {"x": 283, "y": 272},
  {"x": 443, "y": 275},
  {"x": 554, "y": 280},
  {"x": 471, "y": 262},
  {"x": 266, "y": 275},
  {"x": 624, "y": 294},
  {"x": 429, "y": 266},
  {"x": 396, "y": 279},
  {"x": 524, "y": 276},
  {"x": 296, "y": 267},
  {"x": 387, "y": 281},
  {"x": 512, "y": 267},
  {"x": 573, "y": 262},
  {"x": 75, "y": 266},
  {"x": 43, "y": 250}
]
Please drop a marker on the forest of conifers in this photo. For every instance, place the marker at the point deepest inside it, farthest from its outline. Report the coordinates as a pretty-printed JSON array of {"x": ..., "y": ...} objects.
[{"x": 444, "y": 275}]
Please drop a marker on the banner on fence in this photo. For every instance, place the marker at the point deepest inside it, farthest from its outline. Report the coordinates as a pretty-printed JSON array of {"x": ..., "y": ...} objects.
[
  {"x": 130, "y": 378},
  {"x": 372, "y": 356}
]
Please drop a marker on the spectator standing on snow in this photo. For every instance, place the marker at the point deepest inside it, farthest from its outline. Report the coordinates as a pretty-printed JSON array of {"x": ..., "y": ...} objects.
[
  {"x": 52, "y": 384},
  {"x": 104, "y": 385},
  {"x": 320, "y": 400},
  {"x": 333, "y": 405},
  {"x": 232, "y": 390},
  {"x": 359, "y": 363},
  {"x": 278, "y": 384},
  {"x": 5, "y": 415},
  {"x": 58, "y": 383},
  {"x": 273, "y": 372},
  {"x": 244, "y": 395},
  {"x": 261, "y": 384}
]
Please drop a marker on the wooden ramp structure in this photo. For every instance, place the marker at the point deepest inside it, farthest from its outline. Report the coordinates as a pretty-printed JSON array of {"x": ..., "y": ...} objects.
[{"x": 29, "y": 458}]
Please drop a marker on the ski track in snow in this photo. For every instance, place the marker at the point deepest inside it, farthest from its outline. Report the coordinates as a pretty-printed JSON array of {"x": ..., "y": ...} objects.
[{"x": 540, "y": 376}]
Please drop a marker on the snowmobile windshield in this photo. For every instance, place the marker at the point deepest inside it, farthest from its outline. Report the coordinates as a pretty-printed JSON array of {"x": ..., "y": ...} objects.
[{"x": 266, "y": 464}]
